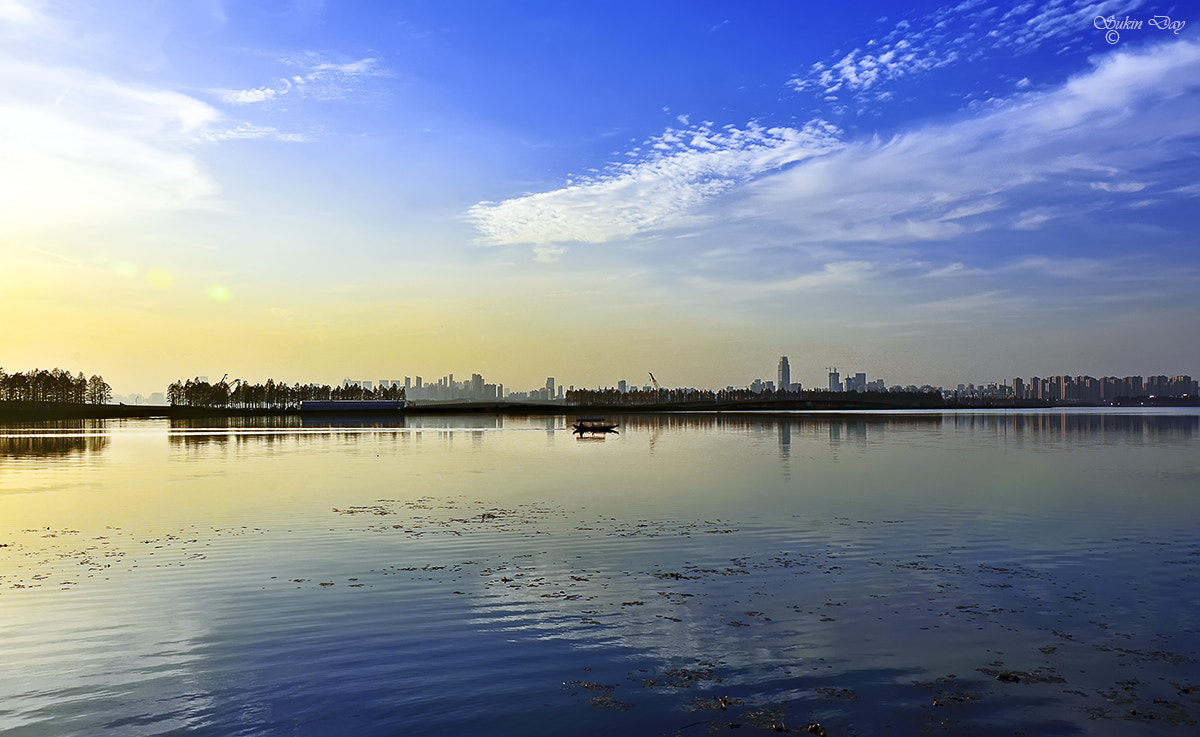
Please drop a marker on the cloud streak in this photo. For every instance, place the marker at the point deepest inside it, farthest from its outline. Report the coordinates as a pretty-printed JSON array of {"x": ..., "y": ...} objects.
[
  {"x": 671, "y": 177},
  {"x": 316, "y": 78},
  {"x": 963, "y": 32},
  {"x": 1020, "y": 164},
  {"x": 989, "y": 213},
  {"x": 75, "y": 145},
  {"x": 1027, "y": 161}
]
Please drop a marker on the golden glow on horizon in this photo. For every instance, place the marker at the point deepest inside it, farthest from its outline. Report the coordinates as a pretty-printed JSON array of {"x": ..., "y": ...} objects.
[
  {"x": 141, "y": 332},
  {"x": 160, "y": 278}
]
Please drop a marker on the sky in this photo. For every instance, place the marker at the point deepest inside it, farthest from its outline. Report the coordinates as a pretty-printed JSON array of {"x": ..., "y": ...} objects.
[{"x": 312, "y": 191}]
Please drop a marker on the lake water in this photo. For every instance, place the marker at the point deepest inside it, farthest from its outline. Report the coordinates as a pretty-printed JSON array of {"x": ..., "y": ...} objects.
[{"x": 943, "y": 573}]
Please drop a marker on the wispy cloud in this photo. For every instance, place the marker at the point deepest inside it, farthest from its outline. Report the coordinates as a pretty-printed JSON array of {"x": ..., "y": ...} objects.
[
  {"x": 314, "y": 77},
  {"x": 76, "y": 144},
  {"x": 17, "y": 13},
  {"x": 831, "y": 275},
  {"x": 1075, "y": 268},
  {"x": 815, "y": 280},
  {"x": 669, "y": 178},
  {"x": 1119, "y": 186},
  {"x": 1028, "y": 160},
  {"x": 956, "y": 269},
  {"x": 813, "y": 219},
  {"x": 81, "y": 145},
  {"x": 862, "y": 70},
  {"x": 244, "y": 131},
  {"x": 957, "y": 33}
]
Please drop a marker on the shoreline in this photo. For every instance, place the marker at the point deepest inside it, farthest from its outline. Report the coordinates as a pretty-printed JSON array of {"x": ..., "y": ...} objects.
[{"x": 40, "y": 411}]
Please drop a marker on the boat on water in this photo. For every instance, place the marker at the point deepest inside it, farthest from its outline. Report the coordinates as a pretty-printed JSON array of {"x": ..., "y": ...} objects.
[{"x": 592, "y": 425}]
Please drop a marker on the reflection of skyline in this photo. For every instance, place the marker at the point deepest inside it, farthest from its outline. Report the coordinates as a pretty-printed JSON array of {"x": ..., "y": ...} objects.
[
  {"x": 860, "y": 427},
  {"x": 82, "y": 437}
]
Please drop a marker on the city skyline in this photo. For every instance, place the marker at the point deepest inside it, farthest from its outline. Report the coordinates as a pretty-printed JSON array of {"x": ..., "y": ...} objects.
[
  {"x": 1069, "y": 387},
  {"x": 309, "y": 190}
]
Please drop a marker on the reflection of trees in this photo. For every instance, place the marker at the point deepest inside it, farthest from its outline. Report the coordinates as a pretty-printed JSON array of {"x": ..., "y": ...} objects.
[
  {"x": 271, "y": 430},
  {"x": 53, "y": 440},
  {"x": 282, "y": 422},
  {"x": 269, "y": 439}
]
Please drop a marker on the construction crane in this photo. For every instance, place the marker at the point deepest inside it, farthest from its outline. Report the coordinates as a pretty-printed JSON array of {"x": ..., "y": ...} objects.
[{"x": 653, "y": 380}]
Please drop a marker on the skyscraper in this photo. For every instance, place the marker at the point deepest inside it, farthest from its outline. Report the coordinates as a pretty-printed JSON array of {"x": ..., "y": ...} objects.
[
  {"x": 785, "y": 374},
  {"x": 835, "y": 380}
]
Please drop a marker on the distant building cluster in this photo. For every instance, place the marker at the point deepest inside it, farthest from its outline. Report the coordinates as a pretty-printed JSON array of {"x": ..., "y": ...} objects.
[
  {"x": 1104, "y": 389},
  {"x": 1084, "y": 389},
  {"x": 859, "y": 383},
  {"x": 447, "y": 389},
  {"x": 855, "y": 383},
  {"x": 1080, "y": 389}
]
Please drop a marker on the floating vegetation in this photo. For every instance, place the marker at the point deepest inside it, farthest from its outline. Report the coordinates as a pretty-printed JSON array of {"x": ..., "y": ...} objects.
[{"x": 721, "y": 607}]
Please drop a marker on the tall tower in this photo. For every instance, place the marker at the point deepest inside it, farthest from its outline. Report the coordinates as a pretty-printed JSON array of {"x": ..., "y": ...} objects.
[
  {"x": 785, "y": 375},
  {"x": 835, "y": 380}
]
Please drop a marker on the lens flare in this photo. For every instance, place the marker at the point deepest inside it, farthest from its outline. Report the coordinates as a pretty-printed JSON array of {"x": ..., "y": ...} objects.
[{"x": 160, "y": 278}]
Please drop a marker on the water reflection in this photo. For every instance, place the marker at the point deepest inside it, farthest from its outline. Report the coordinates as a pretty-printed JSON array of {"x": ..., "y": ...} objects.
[
  {"x": 269, "y": 441},
  {"x": 430, "y": 575},
  {"x": 864, "y": 430},
  {"x": 61, "y": 438}
]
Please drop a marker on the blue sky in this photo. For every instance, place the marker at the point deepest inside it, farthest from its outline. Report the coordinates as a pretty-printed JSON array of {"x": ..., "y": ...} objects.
[{"x": 937, "y": 192}]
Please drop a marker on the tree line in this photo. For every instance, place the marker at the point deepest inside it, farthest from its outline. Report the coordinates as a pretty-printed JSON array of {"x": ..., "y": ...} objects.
[
  {"x": 56, "y": 385},
  {"x": 634, "y": 397},
  {"x": 269, "y": 395}
]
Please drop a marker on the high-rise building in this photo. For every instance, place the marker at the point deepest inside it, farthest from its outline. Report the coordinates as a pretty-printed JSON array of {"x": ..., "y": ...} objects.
[
  {"x": 835, "y": 380},
  {"x": 785, "y": 374},
  {"x": 856, "y": 383},
  {"x": 550, "y": 387}
]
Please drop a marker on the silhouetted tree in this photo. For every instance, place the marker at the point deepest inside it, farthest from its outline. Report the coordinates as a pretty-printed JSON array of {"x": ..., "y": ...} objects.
[{"x": 98, "y": 390}]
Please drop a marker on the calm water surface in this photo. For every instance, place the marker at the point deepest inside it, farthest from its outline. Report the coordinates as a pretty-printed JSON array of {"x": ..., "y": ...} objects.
[{"x": 970, "y": 573}]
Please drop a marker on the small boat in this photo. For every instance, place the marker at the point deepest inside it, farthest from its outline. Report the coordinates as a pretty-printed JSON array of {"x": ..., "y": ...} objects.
[{"x": 591, "y": 425}]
